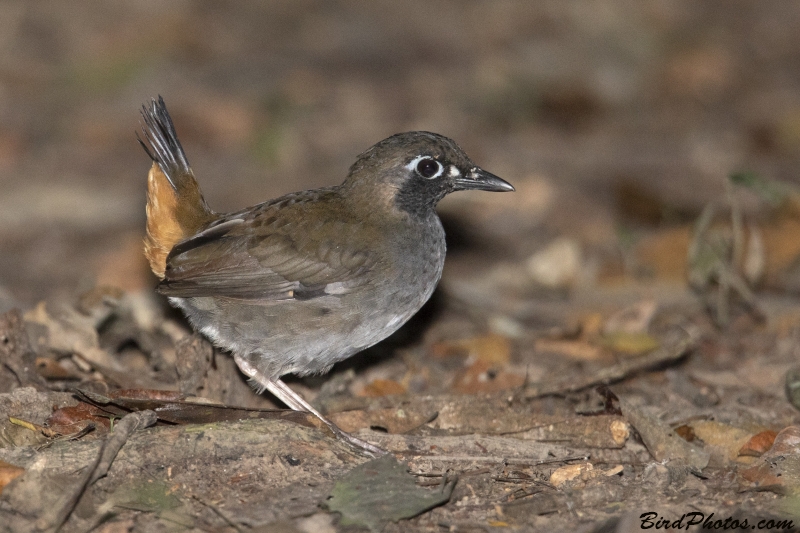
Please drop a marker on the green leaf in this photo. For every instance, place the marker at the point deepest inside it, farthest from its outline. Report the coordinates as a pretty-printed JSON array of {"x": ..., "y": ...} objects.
[
  {"x": 382, "y": 490},
  {"x": 769, "y": 191}
]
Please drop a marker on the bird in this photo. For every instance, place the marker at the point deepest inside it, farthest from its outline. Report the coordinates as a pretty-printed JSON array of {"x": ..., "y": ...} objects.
[{"x": 298, "y": 283}]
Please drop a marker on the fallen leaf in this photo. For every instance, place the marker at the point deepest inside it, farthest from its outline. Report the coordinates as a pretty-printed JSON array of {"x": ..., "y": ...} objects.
[
  {"x": 779, "y": 467},
  {"x": 51, "y": 369},
  {"x": 491, "y": 348},
  {"x": 629, "y": 343},
  {"x": 562, "y": 475},
  {"x": 557, "y": 265},
  {"x": 380, "y": 491},
  {"x": 758, "y": 444},
  {"x": 382, "y": 387},
  {"x": 685, "y": 432},
  {"x": 723, "y": 440},
  {"x": 9, "y": 473},
  {"x": 47, "y": 432},
  {"x": 781, "y": 248},
  {"x": 768, "y": 378},
  {"x": 170, "y": 407},
  {"x": 784, "y": 322},
  {"x": 73, "y": 418},
  {"x": 483, "y": 376},
  {"x": 718, "y": 378},
  {"x": 574, "y": 349},
  {"x": 664, "y": 253},
  {"x": 147, "y": 496}
]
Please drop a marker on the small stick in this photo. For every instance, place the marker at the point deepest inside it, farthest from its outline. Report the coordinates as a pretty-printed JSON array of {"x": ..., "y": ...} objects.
[
  {"x": 54, "y": 521},
  {"x": 623, "y": 369}
]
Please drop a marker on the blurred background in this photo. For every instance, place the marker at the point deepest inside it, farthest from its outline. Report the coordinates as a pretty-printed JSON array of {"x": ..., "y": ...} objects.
[{"x": 617, "y": 121}]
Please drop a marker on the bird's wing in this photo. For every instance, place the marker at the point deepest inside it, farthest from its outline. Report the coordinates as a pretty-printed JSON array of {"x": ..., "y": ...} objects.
[{"x": 261, "y": 257}]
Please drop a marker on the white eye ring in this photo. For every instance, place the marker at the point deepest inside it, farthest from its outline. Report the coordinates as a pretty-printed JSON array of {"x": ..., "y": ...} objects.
[{"x": 414, "y": 166}]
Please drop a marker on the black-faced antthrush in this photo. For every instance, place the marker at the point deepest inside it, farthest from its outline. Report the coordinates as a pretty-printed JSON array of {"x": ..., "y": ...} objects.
[{"x": 298, "y": 283}]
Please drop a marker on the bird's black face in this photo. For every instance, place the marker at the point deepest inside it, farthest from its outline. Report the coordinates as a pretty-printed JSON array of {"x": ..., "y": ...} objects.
[
  {"x": 421, "y": 168},
  {"x": 451, "y": 176}
]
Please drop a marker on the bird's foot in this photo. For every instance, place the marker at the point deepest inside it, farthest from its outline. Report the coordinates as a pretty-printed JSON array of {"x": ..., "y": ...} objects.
[
  {"x": 353, "y": 441},
  {"x": 293, "y": 400}
]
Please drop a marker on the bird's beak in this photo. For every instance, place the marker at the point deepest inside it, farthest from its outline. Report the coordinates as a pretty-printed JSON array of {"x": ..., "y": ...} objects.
[{"x": 478, "y": 179}]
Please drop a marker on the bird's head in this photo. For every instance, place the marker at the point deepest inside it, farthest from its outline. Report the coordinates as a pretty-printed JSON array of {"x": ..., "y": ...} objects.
[{"x": 417, "y": 169}]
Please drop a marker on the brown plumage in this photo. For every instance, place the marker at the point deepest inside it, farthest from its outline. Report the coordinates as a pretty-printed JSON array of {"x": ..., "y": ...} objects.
[{"x": 176, "y": 209}]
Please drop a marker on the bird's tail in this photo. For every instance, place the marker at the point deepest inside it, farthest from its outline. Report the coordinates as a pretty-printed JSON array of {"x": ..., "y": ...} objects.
[{"x": 176, "y": 209}]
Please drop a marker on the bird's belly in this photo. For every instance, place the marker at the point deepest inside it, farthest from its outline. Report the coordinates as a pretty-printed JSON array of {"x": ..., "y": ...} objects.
[{"x": 309, "y": 336}]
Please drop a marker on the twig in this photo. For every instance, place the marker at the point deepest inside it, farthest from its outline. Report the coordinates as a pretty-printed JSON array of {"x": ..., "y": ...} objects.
[
  {"x": 658, "y": 357},
  {"x": 55, "y": 520},
  {"x": 47, "y": 432}
]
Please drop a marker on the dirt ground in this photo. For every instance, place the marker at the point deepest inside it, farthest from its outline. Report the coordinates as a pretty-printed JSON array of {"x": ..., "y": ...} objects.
[{"x": 614, "y": 347}]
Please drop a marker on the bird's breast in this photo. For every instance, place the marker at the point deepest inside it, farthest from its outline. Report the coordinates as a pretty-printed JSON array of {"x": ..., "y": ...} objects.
[{"x": 418, "y": 256}]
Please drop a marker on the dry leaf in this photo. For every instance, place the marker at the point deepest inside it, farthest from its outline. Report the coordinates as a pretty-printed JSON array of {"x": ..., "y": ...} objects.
[
  {"x": 74, "y": 418},
  {"x": 380, "y": 491},
  {"x": 52, "y": 369},
  {"x": 556, "y": 265},
  {"x": 774, "y": 246},
  {"x": 758, "y": 444},
  {"x": 382, "y": 387},
  {"x": 781, "y": 248},
  {"x": 664, "y": 254},
  {"x": 483, "y": 376},
  {"x": 724, "y": 440},
  {"x": 569, "y": 472},
  {"x": 685, "y": 432},
  {"x": 9, "y": 473},
  {"x": 574, "y": 349},
  {"x": 492, "y": 348},
  {"x": 630, "y": 343},
  {"x": 780, "y": 465}
]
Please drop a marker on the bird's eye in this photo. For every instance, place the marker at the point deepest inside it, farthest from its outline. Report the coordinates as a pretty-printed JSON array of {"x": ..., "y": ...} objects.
[{"x": 429, "y": 168}]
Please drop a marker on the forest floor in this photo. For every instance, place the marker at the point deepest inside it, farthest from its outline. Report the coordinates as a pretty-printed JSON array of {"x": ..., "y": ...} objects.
[{"x": 613, "y": 347}]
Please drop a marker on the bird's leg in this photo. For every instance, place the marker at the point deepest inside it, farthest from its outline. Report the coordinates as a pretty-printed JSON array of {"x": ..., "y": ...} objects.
[
  {"x": 296, "y": 402},
  {"x": 285, "y": 394}
]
